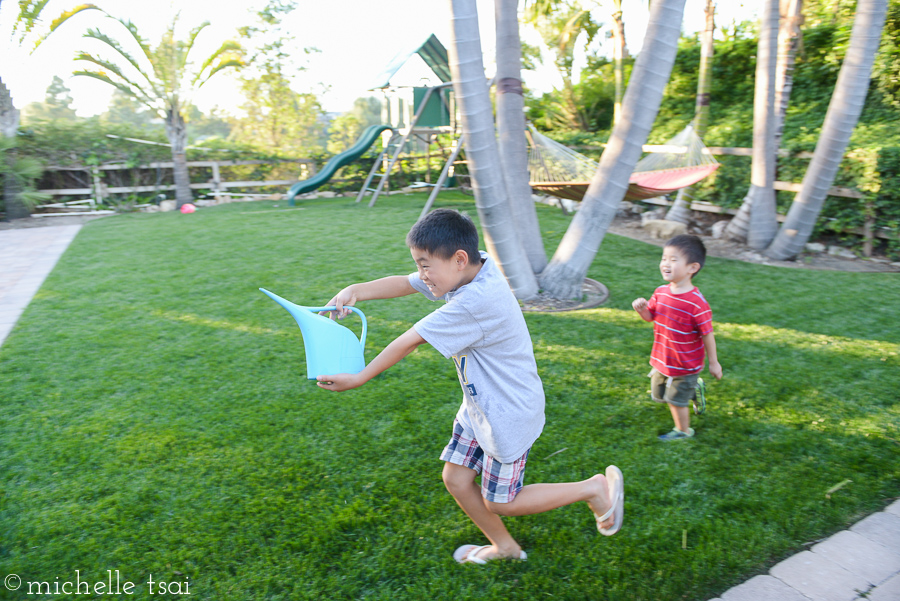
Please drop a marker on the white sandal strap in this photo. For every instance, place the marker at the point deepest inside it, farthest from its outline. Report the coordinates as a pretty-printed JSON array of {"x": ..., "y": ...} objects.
[
  {"x": 471, "y": 556},
  {"x": 612, "y": 510}
]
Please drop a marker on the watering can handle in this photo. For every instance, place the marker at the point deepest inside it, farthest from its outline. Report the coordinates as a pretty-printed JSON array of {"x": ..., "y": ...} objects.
[{"x": 362, "y": 338}]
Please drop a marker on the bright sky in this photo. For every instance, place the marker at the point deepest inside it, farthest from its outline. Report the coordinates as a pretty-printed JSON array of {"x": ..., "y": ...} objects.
[{"x": 357, "y": 39}]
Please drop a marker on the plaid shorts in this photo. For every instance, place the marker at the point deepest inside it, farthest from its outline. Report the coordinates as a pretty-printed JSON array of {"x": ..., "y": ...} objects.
[{"x": 500, "y": 482}]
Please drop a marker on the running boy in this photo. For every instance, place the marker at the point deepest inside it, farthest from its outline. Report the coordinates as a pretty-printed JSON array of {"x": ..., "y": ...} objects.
[
  {"x": 682, "y": 329},
  {"x": 482, "y": 329}
]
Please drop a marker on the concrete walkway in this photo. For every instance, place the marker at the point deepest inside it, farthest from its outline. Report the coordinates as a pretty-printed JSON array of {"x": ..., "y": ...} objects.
[
  {"x": 862, "y": 563},
  {"x": 27, "y": 256}
]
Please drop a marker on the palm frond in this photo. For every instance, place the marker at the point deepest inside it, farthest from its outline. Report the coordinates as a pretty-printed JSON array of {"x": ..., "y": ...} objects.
[
  {"x": 29, "y": 14},
  {"x": 28, "y": 168},
  {"x": 98, "y": 35},
  {"x": 189, "y": 43},
  {"x": 236, "y": 63},
  {"x": 136, "y": 35},
  {"x": 58, "y": 22},
  {"x": 229, "y": 54}
]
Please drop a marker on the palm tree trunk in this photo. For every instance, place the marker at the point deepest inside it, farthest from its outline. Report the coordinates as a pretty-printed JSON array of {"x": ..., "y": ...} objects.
[
  {"x": 620, "y": 51},
  {"x": 511, "y": 133},
  {"x": 840, "y": 119},
  {"x": 789, "y": 38},
  {"x": 680, "y": 209},
  {"x": 176, "y": 131},
  {"x": 476, "y": 112},
  {"x": 567, "y": 269},
  {"x": 14, "y": 206},
  {"x": 760, "y": 200}
]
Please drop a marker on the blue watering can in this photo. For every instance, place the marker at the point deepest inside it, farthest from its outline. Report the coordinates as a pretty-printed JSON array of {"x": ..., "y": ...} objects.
[{"x": 330, "y": 347}]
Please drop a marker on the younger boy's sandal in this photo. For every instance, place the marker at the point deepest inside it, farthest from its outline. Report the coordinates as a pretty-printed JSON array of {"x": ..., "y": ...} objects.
[
  {"x": 469, "y": 554},
  {"x": 676, "y": 434},
  {"x": 700, "y": 397},
  {"x": 616, "y": 483}
]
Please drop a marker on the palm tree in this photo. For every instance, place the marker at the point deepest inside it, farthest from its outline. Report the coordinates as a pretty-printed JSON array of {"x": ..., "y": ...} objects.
[
  {"x": 564, "y": 275},
  {"x": 476, "y": 112},
  {"x": 18, "y": 201},
  {"x": 15, "y": 206},
  {"x": 679, "y": 210},
  {"x": 511, "y": 132},
  {"x": 756, "y": 218},
  {"x": 165, "y": 78},
  {"x": 789, "y": 39},
  {"x": 560, "y": 24},
  {"x": 840, "y": 119},
  {"x": 620, "y": 53}
]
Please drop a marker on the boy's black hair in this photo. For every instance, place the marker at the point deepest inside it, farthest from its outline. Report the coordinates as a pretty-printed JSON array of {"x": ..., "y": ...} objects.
[
  {"x": 691, "y": 246},
  {"x": 444, "y": 231}
]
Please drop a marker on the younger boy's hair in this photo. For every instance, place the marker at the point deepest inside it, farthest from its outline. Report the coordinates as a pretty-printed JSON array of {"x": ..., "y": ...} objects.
[
  {"x": 444, "y": 231},
  {"x": 691, "y": 246}
]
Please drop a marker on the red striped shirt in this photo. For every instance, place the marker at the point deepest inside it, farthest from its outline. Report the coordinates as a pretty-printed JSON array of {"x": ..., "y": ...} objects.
[{"x": 679, "y": 323}]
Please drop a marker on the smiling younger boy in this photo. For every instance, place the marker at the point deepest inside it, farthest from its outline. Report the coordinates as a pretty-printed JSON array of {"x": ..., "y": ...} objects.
[
  {"x": 682, "y": 334},
  {"x": 481, "y": 327}
]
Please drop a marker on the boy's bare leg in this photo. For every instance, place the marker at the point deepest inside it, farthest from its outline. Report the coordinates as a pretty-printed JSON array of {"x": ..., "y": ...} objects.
[
  {"x": 460, "y": 482},
  {"x": 534, "y": 498},
  {"x": 681, "y": 416},
  {"x": 538, "y": 498}
]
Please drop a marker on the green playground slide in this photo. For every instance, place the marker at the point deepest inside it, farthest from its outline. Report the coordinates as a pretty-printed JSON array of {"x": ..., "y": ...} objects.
[{"x": 367, "y": 138}]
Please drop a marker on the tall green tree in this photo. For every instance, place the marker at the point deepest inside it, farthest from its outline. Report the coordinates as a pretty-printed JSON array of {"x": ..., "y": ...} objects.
[
  {"x": 789, "y": 39},
  {"x": 511, "y": 132},
  {"x": 491, "y": 197},
  {"x": 679, "y": 210},
  {"x": 163, "y": 78},
  {"x": 560, "y": 24},
  {"x": 620, "y": 53},
  {"x": 14, "y": 203},
  {"x": 756, "y": 219},
  {"x": 124, "y": 108},
  {"x": 57, "y": 104},
  {"x": 567, "y": 269},
  {"x": 277, "y": 118},
  {"x": 840, "y": 119}
]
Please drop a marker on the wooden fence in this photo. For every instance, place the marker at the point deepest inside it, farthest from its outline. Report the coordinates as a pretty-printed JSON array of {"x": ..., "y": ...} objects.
[
  {"x": 218, "y": 186},
  {"x": 98, "y": 190}
]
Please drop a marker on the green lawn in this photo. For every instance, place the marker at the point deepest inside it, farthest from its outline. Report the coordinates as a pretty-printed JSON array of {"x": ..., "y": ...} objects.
[{"x": 155, "y": 419}]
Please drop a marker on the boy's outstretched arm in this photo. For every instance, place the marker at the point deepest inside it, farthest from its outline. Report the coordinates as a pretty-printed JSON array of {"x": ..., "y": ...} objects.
[
  {"x": 640, "y": 305},
  {"x": 392, "y": 353},
  {"x": 389, "y": 287},
  {"x": 709, "y": 341}
]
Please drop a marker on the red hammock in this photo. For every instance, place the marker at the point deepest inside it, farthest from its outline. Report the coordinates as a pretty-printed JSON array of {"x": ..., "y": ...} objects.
[{"x": 647, "y": 184}]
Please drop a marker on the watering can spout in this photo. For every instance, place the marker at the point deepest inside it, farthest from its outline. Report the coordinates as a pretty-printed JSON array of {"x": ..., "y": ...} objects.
[{"x": 330, "y": 347}]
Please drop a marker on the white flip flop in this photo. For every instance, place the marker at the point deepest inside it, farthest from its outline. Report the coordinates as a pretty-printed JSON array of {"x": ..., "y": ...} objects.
[
  {"x": 616, "y": 483},
  {"x": 468, "y": 554}
]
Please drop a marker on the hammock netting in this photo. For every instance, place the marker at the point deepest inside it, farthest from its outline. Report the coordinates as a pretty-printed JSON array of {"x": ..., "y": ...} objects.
[{"x": 560, "y": 171}]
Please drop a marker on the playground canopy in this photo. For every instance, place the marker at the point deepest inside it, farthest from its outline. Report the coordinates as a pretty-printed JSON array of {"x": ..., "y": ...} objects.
[{"x": 432, "y": 52}]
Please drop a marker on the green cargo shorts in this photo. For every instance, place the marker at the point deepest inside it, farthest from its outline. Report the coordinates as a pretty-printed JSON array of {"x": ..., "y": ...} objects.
[{"x": 675, "y": 390}]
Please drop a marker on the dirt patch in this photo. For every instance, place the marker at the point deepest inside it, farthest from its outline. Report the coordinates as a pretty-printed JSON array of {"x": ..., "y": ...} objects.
[{"x": 595, "y": 293}]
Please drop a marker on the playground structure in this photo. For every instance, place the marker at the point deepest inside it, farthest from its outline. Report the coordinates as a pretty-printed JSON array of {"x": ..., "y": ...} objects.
[
  {"x": 366, "y": 140},
  {"x": 414, "y": 117},
  {"x": 420, "y": 114}
]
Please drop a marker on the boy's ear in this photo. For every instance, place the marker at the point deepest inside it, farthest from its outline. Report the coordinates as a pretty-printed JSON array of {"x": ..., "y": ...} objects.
[
  {"x": 693, "y": 268},
  {"x": 461, "y": 258}
]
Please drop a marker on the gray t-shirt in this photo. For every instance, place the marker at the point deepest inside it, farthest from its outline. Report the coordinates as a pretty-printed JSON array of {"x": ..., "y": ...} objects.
[{"x": 482, "y": 329}]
